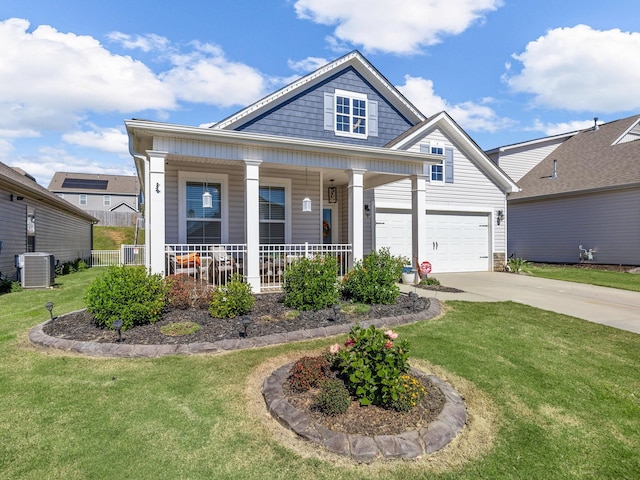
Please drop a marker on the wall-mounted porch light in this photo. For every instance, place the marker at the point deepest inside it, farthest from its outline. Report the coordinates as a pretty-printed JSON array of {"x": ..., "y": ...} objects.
[{"x": 499, "y": 217}]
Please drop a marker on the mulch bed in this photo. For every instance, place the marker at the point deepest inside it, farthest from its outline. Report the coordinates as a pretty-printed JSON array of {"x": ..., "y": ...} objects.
[
  {"x": 372, "y": 420},
  {"x": 267, "y": 317}
]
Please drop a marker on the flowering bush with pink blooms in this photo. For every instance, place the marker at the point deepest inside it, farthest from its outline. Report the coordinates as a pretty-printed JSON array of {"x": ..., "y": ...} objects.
[{"x": 371, "y": 363}]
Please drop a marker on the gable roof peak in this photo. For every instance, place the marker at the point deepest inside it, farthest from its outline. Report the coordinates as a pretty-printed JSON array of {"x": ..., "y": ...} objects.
[{"x": 353, "y": 59}]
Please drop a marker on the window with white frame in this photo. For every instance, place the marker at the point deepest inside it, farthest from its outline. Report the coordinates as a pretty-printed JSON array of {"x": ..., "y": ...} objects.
[
  {"x": 437, "y": 174},
  {"x": 106, "y": 200},
  {"x": 350, "y": 114},
  {"x": 199, "y": 224},
  {"x": 273, "y": 216},
  {"x": 83, "y": 199}
]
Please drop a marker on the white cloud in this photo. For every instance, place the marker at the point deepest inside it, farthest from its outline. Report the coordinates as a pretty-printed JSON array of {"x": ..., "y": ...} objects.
[
  {"x": 50, "y": 160},
  {"x": 146, "y": 43},
  {"x": 560, "y": 127},
  {"x": 307, "y": 65},
  {"x": 469, "y": 115},
  {"x": 395, "y": 26},
  {"x": 48, "y": 79},
  {"x": 112, "y": 140},
  {"x": 206, "y": 76},
  {"x": 581, "y": 69}
]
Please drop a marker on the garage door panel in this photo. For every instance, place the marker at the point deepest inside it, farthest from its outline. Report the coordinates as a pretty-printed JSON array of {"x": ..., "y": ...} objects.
[
  {"x": 455, "y": 242},
  {"x": 460, "y": 243}
]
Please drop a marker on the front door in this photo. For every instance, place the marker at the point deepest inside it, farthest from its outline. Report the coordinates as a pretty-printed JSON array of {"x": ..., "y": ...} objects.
[{"x": 328, "y": 224}]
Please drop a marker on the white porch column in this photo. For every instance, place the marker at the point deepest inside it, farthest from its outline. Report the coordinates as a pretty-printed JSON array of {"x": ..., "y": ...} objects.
[
  {"x": 418, "y": 219},
  {"x": 155, "y": 211},
  {"x": 252, "y": 222},
  {"x": 356, "y": 206}
]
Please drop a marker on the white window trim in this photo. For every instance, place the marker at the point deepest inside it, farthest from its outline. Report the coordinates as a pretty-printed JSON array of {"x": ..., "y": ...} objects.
[
  {"x": 106, "y": 200},
  {"x": 351, "y": 96},
  {"x": 286, "y": 183},
  {"x": 431, "y": 180},
  {"x": 82, "y": 199},
  {"x": 202, "y": 177}
]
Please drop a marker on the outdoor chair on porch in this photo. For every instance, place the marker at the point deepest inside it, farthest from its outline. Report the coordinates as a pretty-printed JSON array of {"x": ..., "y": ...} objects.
[
  {"x": 222, "y": 265},
  {"x": 187, "y": 263}
]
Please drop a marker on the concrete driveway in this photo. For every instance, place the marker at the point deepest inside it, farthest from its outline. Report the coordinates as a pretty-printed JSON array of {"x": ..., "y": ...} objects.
[{"x": 608, "y": 306}]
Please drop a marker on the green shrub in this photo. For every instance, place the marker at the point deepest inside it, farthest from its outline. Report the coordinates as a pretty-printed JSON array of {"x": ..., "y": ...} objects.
[
  {"x": 410, "y": 393},
  {"x": 231, "y": 300},
  {"x": 5, "y": 284},
  {"x": 127, "y": 293},
  {"x": 184, "y": 292},
  {"x": 430, "y": 281},
  {"x": 307, "y": 372},
  {"x": 333, "y": 397},
  {"x": 311, "y": 284},
  {"x": 518, "y": 265},
  {"x": 371, "y": 363},
  {"x": 374, "y": 279}
]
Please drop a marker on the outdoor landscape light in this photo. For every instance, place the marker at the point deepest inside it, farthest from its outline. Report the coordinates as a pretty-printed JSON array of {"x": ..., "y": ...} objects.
[
  {"x": 336, "y": 311},
  {"x": 117, "y": 325},
  {"x": 413, "y": 296},
  {"x": 49, "y": 307},
  {"x": 246, "y": 321}
]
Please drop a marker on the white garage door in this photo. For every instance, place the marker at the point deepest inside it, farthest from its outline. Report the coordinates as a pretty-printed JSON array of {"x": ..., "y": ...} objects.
[
  {"x": 458, "y": 242},
  {"x": 393, "y": 230}
]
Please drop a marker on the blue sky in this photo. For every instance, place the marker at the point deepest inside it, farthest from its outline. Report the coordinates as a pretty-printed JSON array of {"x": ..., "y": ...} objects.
[{"x": 506, "y": 70}]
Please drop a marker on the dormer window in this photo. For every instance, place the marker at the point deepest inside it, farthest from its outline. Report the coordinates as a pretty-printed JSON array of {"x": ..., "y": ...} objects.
[{"x": 350, "y": 114}]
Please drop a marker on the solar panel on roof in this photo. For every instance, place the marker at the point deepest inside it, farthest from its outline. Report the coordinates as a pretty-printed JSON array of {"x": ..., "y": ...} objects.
[{"x": 85, "y": 184}]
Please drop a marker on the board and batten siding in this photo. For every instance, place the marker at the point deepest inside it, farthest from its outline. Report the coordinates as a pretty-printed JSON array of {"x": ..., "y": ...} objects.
[
  {"x": 303, "y": 115},
  {"x": 551, "y": 230}
]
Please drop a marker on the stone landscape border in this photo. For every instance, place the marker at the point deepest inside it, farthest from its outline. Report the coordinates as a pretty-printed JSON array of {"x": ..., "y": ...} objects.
[
  {"x": 362, "y": 448},
  {"x": 95, "y": 349}
]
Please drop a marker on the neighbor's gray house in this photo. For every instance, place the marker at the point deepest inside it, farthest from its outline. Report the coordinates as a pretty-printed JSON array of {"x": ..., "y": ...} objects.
[
  {"x": 32, "y": 219},
  {"x": 98, "y": 192},
  {"x": 339, "y": 161},
  {"x": 581, "y": 189}
]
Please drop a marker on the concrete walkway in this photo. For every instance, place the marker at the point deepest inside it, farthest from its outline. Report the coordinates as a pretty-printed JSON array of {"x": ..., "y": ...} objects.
[{"x": 608, "y": 306}]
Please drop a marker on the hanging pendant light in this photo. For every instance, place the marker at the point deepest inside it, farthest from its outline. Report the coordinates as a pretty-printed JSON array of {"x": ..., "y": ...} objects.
[
  {"x": 306, "y": 201},
  {"x": 207, "y": 199}
]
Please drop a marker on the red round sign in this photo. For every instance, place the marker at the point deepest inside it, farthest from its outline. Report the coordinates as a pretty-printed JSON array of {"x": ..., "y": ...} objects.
[{"x": 425, "y": 268}]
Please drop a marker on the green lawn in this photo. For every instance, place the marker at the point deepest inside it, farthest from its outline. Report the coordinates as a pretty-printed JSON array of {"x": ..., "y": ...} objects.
[
  {"x": 565, "y": 395},
  {"x": 603, "y": 278}
]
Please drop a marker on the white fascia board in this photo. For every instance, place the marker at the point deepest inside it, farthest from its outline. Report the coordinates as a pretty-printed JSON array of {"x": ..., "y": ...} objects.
[
  {"x": 445, "y": 122},
  {"x": 271, "y": 141},
  {"x": 529, "y": 143},
  {"x": 353, "y": 59}
]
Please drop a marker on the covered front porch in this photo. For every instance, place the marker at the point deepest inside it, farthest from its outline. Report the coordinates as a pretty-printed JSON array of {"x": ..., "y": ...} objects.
[
  {"x": 216, "y": 264},
  {"x": 268, "y": 200}
]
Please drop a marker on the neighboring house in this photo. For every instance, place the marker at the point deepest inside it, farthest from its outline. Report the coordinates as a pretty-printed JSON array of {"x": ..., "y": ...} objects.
[
  {"x": 98, "y": 192},
  {"x": 338, "y": 161},
  {"x": 32, "y": 219},
  {"x": 585, "y": 192}
]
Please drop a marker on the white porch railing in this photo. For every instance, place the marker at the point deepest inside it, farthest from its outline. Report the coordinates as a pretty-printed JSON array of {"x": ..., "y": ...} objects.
[
  {"x": 275, "y": 258},
  {"x": 211, "y": 264},
  {"x": 127, "y": 255},
  {"x": 214, "y": 264}
]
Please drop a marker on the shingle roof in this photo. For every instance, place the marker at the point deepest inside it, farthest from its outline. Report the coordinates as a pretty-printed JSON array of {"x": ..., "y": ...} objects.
[
  {"x": 22, "y": 183},
  {"x": 590, "y": 160},
  {"x": 114, "y": 184}
]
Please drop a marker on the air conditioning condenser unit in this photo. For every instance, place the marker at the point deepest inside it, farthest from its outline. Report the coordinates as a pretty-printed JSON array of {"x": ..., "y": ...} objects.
[{"x": 38, "y": 270}]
